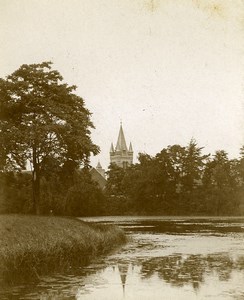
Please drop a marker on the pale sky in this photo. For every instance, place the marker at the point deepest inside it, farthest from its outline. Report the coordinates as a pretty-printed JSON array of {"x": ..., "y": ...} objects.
[{"x": 172, "y": 70}]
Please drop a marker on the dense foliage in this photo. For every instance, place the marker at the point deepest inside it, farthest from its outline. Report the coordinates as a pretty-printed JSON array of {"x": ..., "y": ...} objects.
[
  {"x": 179, "y": 181},
  {"x": 62, "y": 193},
  {"x": 42, "y": 122}
]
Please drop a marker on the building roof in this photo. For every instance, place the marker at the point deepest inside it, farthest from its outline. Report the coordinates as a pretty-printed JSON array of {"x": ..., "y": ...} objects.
[
  {"x": 97, "y": 177},
  {"x": 121, "y": 144}
]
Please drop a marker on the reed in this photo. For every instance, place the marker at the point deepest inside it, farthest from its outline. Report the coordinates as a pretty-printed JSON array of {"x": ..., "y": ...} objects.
[{"x": 35, "y": 245}]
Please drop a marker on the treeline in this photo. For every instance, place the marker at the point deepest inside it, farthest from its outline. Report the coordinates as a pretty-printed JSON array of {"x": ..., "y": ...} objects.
[
  {"x": 64, "y": 191},
  {"x": 178, "y": 181}
]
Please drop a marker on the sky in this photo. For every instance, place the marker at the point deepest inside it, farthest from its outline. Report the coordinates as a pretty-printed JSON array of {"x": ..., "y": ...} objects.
[{"x": 170, "y": 70}]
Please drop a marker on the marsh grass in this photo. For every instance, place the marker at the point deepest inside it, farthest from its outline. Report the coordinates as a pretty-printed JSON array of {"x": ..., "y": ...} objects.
[{"x": 31, "y": 246}]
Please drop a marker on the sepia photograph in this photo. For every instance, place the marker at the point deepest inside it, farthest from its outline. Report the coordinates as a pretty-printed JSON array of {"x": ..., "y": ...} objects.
[{"x": 121, "y": 149}]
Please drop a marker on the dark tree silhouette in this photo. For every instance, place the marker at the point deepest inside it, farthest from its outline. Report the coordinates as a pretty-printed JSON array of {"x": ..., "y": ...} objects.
[{"x": 41, "y": 119}]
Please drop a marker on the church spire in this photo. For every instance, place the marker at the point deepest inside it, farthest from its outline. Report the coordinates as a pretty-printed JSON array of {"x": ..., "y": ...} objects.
[
  {"x": 99, "y": 165},
  {"x": 121, "y": 144},
  {"x": 123, "y": 270},
  {"x": 112, "y": 148},
  {"x": 120, "y": 155}
]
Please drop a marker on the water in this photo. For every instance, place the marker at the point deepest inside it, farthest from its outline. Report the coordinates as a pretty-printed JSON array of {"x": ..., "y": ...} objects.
[{"x": 166, "y": 258}]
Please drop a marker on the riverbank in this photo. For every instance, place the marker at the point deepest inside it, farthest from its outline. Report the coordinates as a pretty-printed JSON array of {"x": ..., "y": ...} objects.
[{"x": 35, "y": 245}]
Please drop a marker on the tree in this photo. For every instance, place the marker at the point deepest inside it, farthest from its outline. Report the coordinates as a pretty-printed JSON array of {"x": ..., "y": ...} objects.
[
  {"x": 41, "y": 119},
  {"x": 220, "y": 182},
  {"x": 194, "y": 163},
  {"x": 140, "y": 183},
  {"x": 115, "y": 178},
  {"x": 84, "y": 198},
  {"x": 15, "y": 192}
]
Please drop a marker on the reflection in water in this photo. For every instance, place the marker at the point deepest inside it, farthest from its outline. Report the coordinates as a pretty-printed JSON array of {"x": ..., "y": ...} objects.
[
  {"x": 179, "y": 270},
  {"x": 123, "y": 270},
  {"x": 163, "y": 260}
]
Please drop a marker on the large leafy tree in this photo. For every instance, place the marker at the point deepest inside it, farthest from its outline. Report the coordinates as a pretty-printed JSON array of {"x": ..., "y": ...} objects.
[
  {"x": 194, "y": 163},
  {"x": 221, "y": 179},
  {"x": 41, "y": 119},
  {"x": 114, "y": 184}
]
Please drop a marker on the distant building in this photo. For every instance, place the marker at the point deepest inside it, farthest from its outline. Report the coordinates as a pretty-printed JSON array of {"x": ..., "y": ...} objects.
[
  {"x": 98, "y": 175},
  {"x": 121, "y": 155},
  {"x": 100, "y": 169}
]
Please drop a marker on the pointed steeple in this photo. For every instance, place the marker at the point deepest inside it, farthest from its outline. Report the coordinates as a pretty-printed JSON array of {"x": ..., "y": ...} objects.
[
  {"x": 112, "y": 148},
  {"x": 123, "y": 270},
  {"x": 99, "y": 165},
  {"x": 121, "y": 144},
  {"x": 120, "y": 155}
]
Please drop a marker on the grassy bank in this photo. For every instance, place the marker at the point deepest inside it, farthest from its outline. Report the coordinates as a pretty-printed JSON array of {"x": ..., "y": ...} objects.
[{"x": 34, "y": 245}]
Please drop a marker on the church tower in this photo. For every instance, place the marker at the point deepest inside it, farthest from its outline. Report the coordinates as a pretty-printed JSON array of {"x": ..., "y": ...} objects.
[{"x": 121, "y": 155}]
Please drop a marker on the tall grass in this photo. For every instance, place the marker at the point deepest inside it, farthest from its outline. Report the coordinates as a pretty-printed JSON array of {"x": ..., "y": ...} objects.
[{"x": 34, "y": 245}]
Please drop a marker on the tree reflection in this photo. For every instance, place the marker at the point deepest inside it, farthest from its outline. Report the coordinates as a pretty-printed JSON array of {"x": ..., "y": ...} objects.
[
  {"x": 240, "y": 263},
  {"x": 179, "y": 270},
  {"x": 222, "y": 264}
]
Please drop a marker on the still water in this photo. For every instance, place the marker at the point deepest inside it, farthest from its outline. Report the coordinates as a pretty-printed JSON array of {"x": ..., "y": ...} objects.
[{"x": 165, "y": 258}]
